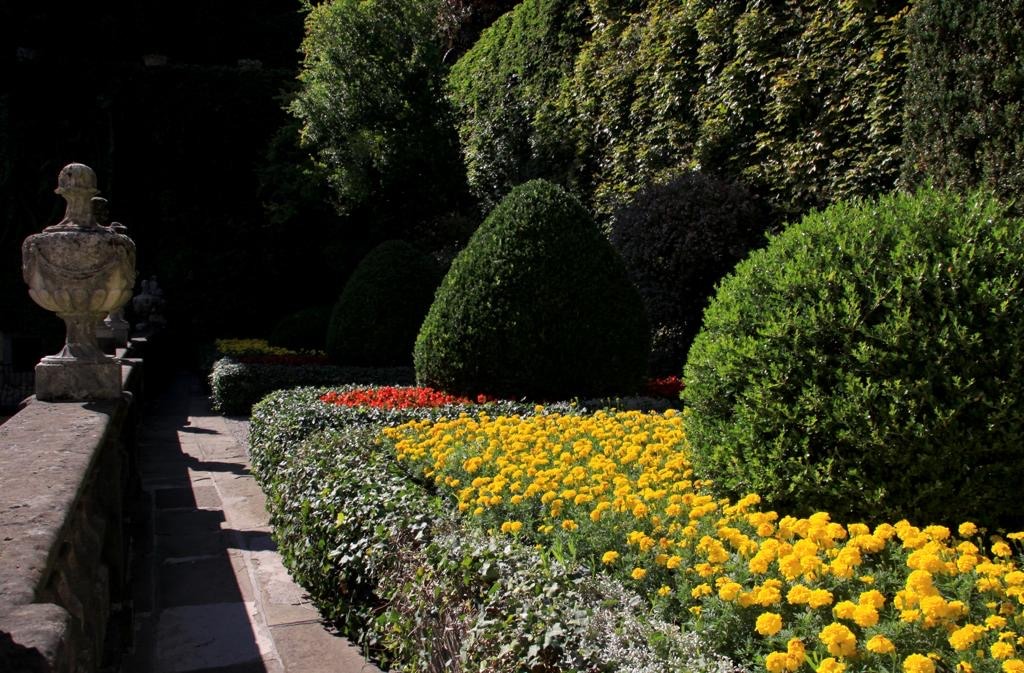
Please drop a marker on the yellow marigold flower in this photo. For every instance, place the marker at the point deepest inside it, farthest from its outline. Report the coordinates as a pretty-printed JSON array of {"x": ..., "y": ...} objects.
[
  {"x": 819, "y": 598},
  {"x": 872, "y": 597},
  {"x": 768, "y": 623},
  {"x": 967, "y": 529},
  {"x": 664, "y": 590},
  {"x": 988, "y": 584},
  {"x": 925, "y": 559},
  {"x": 865, "y": 616},
  {"x": 964, "y": 667},
  {"x": 673, "y": 562},
  {"x": 1013, "y": 666},
  {"x": 839, "y": 639},
  {"x": 844, "y": 610},
  {"x": 729, "y": 591},
  {"x": 511, "y": 526},
  {"x": 830, "y": 665},
  {"x": 705, "y": 569},
  {"x": 798, "y": 595},
  {"x": 918, "y": 663},
  {"x": 776, "y": 662},
  {"x": 965, "y": 637},
  {"x": 880, "y": 645},
  {"x": 1001, "y": 650},
  {"x": 856, "y": 529},
  {"x": 1001, "y": 549},
  {"x": 910, "y": 616},
  {"x": 609, "y": 557},
  {"x": 995, "y": 622},
  {"x": 867, "y": 579},
  {"x": 920, "y": 582},
  {"x": 569, "y": 525},
  {"x": 766, "y": 594},
  {"x": 638, "y": 574},
  {"x": 702, "y": 589}
]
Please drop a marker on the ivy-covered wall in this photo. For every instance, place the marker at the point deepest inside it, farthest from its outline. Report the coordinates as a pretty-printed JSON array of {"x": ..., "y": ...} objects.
[{"x": 801, "y": 100}]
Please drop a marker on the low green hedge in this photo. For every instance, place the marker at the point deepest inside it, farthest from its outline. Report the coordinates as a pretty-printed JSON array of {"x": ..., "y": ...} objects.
[
  {"x": 236, "y": 386},
  {"x": 376, "y": 550}
]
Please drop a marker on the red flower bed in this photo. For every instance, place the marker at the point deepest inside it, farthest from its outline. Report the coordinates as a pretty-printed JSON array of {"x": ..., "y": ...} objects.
[
  {"x": 668, "y": 386},
  {"x": 392, "y": 398}
]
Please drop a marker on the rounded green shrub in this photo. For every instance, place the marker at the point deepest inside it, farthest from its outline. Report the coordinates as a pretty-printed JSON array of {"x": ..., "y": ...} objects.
[
  {"x": 303, "y": 330},
  {"x": 678, "y": 238},
  {"x": 379, "y": 312},
  {"x": 870, "y": 362},
  {"x": 537, "y": 305}
]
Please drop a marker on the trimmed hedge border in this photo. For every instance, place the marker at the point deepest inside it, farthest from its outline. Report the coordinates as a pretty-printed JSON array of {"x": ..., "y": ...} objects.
[
  {"x": 236, "y": 386},
  {"x": 376, "y": 549}
]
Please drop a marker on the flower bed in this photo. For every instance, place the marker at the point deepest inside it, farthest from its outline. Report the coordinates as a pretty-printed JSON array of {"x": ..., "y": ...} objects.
[
  {"x": 615, "y": 493},
  {"x": 391, "y": 397},
  {"x": 259, "y": 351},
  {"x": 376, "y": 549}
]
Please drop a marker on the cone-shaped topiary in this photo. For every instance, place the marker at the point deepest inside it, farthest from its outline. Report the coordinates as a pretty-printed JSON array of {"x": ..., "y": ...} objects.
[
  {"x": 381, "y": 308},
  {"x": 537, "y": 305},
  {"x": 870, "y": 362}
]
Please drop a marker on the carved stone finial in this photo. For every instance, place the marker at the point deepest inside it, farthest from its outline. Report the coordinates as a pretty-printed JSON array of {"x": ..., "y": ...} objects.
[{"x": 81, "y": 271}]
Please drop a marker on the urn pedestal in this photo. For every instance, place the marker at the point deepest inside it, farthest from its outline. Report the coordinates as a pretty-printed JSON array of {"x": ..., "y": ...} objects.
[{"x": 81, "y": 271}]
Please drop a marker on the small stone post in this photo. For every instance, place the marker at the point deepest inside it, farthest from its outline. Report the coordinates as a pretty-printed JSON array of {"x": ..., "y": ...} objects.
[{"x": 81, "y": 271}]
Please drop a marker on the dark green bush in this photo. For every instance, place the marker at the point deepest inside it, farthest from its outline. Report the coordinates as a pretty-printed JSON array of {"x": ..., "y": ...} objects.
[
  {"x": 303, "y": 330},
  {"x": 870, "y": 362},
  {"x": 537, "y": 305},
  {"x": 500, "y": 89},
  {"x": 965, "y": 95},
  {"x": 678, "y": 239},
  {"x": 381, "y": 308},
  {"x": 236, "y": 386}
]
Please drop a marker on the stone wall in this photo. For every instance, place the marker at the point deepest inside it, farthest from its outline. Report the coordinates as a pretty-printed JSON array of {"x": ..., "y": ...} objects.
[{"x": 65, "y": 471}]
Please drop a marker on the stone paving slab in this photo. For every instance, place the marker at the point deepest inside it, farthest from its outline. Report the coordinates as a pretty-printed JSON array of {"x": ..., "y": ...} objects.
[{"x": 214, "y": 595}]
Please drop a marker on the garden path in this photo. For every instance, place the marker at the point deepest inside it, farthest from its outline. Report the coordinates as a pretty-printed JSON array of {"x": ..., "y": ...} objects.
[{"x": 210, "y": 592}]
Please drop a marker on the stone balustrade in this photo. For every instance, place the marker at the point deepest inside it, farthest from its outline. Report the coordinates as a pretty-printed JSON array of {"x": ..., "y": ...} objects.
[{"x": 66, "y": 470}]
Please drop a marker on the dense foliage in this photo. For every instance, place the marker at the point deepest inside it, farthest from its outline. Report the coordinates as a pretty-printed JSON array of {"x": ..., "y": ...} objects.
[
  {"x": 381, "y": 308},
  {"x": 678, "y": 238},
  {"x": 802, "y": 99},
  {"x": 373, "y": 112},
  {"x": 869, "y": 363},
  {"x": 506, "y": 84},
  {"x": 537, "y": 305},
  {"x": 375, "y": 550},
  {"x": 964, "y": 95},
  {"x": 615, "y": 494}
]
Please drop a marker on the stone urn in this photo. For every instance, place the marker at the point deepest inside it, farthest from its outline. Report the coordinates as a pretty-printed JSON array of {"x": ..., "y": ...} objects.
[{"x": 80, "y": 271}]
